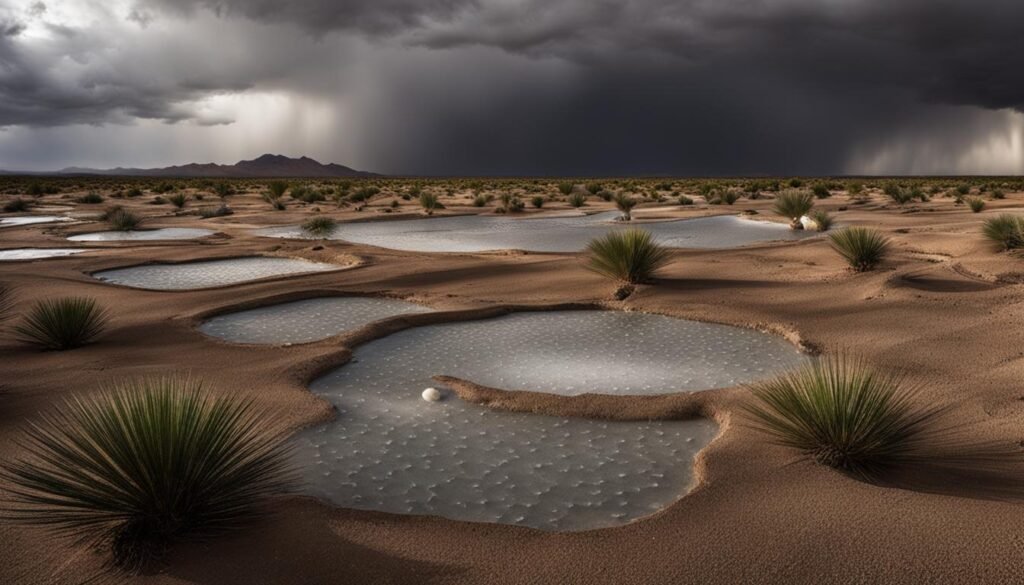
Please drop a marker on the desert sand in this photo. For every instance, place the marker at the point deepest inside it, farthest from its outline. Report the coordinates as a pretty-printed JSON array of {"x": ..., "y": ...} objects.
[{"x": 945, "y": 308}]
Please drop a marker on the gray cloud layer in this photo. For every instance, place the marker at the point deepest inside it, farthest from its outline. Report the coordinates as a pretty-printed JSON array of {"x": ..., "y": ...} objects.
[{"x": 553, "y": 86}]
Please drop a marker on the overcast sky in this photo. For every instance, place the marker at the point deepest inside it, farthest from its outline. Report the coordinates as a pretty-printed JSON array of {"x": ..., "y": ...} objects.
[{"x": 496, "y": 87}]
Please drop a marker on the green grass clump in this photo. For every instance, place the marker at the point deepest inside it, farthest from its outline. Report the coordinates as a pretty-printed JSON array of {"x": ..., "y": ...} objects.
[
  {"x": 843, "y": 414},
  {"x": 122, "y": 220},
  {"x": 320, "y": 226},
  {"x": 863, "y": 248},
  {"x": 793, "y": 204},
  {"x": 684, "y": 200},
  {"x": 481, "y": 200},
  {"x": 144, "y": 464},
  {"x": 577, "y": 199},
  {"x": 537, "y": 201},
  {"x": 631, "y": 256},
  {"x": 1005, "y": 230},
  {"x": 276, "y": 189},
  {"x": 63, "y": 323},
  {"x": 823, "y": 219},
  {"x": 625, "y": 204},
  {"x": 178, "y": 200},
  {"x": 565, "y": 188},
  {"x": 90, "y": 198},
  {"x": 976, "y": 204},
  {"x": 430, "y": 202}
]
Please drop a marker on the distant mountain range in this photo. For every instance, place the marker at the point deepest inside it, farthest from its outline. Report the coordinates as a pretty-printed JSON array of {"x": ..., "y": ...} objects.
[{"x": 268, "y": 165}]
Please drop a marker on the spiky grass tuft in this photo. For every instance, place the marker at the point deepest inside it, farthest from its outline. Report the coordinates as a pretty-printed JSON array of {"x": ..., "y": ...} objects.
[
  {"x": 144, "y": 464},
  {"x": 63, "y": 323},
  {"x": 843, "y": 414},
  {"x": 793, "y": 204},
  {"x": 862, "y": 248},
  {"x": 320, "y": 226},
  {"x": 1005, "y": 230},
  {"x": 630, "y": 256}
]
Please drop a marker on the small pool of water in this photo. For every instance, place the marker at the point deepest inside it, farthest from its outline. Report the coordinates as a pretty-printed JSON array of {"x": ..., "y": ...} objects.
[
  {"x": 39, "y": 253},
  {"x": 478, "y": 233},
  {"x": 144, "y": 235},
  {"x": 209, "y": 273},
  {"x": 31, "y": 220},
  {"x": 306, "y": 320},
  {"x": 392, "y": 451}
]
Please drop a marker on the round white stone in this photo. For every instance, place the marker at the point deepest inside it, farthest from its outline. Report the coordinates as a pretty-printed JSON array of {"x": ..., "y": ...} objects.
[{"x": 431, "y": 395}]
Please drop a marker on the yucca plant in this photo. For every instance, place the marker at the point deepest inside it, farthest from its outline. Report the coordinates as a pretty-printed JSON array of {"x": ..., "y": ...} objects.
[
  {"x": 121, "y": 219},
  {"x": 577, "y": 199},
  {"x": 143, "y": 464},
  {"x": 631, "y": 256},
  {"x": 823, "y": 220},
  {"x": 320, "y": 226},
  {"x": 863, "y": 248},
  {"x": 793, "y": 205},
  {"x": 843, "y": 414},
  {"x": 976, "y": 204},
  {"x": 62, "y": 323},
  {"x": 1005, "y": 230},
  {"x": 430, "y": 202},
  {"x": 625, "y": 204},
  {"x": 178, "y": 200}
]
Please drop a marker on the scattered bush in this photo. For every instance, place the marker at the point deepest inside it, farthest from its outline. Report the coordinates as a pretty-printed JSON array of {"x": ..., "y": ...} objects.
[
  {"x": 823, "y": 219},
  {"x": 215, "y": 211},
  {"x": 481, "y": 200},
  {"x": 90, "y": 198},
  {"x": 684, "y": 200},
  {"x": 144, "y": 464},
  {"x": 976, "y": 204},
  {"x": 821, "y": 192},
  {"x": 320, "y": 226},
  {"x": 631, "y": 256},
  {"x": 594, "y": 188},
  {"x": 121, "y": 219},
  {"x": 63, "y": 323},
  {"x": 565, "y": 188},
  {"x": 178, "y": 200},
  {"x": 429, "y": 202},
  {"x": 537, "y": 201},
  {"x": 577, "y": 199},
  {"x": 15, "y": 205},
  {"x": 793, "y": 205},
  {"x": 998, "y": 194},
  {"x": 863, "y": 248},
  {"x": 606, "y": 195},
  {"x": 1005, "y": 230},
  {"x": 625, "y": 204}
]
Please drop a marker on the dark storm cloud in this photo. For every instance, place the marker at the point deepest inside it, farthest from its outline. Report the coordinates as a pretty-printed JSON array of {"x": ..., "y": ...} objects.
[{"x": 555, "y": 86}]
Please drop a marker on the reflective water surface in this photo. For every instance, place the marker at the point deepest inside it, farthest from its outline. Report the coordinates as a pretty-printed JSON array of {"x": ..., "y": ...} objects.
[{"x": 209, "y": 273}]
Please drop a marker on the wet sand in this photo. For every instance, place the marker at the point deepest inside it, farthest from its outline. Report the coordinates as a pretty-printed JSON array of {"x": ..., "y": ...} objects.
[{"x": 944, "y": 308}]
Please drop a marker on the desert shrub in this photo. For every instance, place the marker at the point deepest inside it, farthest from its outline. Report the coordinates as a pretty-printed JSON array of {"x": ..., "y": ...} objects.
[
  {"x": 215, "y": 211},
  {"x": 16, "y": 204},
  {"x": 276, "y": 189},
  {"x": 62, "y": 323},
  {"x": 728, "y": 197},
  {"x": 862, "y": 248},
  {"x": 429, "y": 202},
  {"x": 630, "y": 255},
  {"x": 90, "y": 198},
  {"x": 577, "y": 199},
  {"x": 537, "y": 201},
  {"x": 594, "y": 188},
  {"x": 843, "y": 414},
  {"x": 1005, "y": 230},
  {"x": 821, "y": 191},
  {"x": 144, "y": 464},
  {"x": 223, "y": 189},
  {"x": 565, "y": 188},
  {"x": 898, "y": 195},
  {"x": 856, "y": 188},
  {"x": 178, "y": 200},
  {"x": 998, "y": 194},
  {"x": 510, "y": 203},
  {"x": 963, "y": 189},
  {"x": 625, "y": 204},
  {"x": 481, "y": 200},
  {"x": 363, "y": 194},
  {"x": 684, "y": 200},
  {"x": 121, "y": 219},
  {"x": 319, "y": 226},
  {"x": 976, "y": 204},
  {"x": 793, "y": 204},
  {"x": 133, "y": 192},
  {"x": 35, "y": 190},
  {"x": 823, "y": 219},
  {"x": 606, "y": 195}
]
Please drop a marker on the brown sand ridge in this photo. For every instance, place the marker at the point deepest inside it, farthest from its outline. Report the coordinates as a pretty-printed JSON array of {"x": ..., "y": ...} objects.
[{"x": 945, "y": 309}]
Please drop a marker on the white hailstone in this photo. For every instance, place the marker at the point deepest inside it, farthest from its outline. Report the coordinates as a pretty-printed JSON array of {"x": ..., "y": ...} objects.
[
  {"x": 808, "y": 223},
  {"x": 431, "y": 395}
]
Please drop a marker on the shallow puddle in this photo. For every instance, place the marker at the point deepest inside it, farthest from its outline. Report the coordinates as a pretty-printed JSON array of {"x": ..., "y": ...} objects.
[
  {"x": 478, "y": 233},
  {"x": 31, "y": 220},
  {"x": 209, "y": 273},
  {"x": 38, "y": 253},
  {"x": 306, "y": 320},
  {"x": 144, "y": 235},
  {"x": 392, "y": 451}
]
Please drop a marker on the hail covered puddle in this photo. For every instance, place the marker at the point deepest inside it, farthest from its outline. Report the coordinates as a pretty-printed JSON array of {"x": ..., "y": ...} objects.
[
  {"x": 390, "y": 450},
  {"x": 38, "y": 253},
  {"x": 306, "y": 320},
  {"x": 209, "y": 273},
  {"x": 479, "y": 233},
  {"x": 31, "y": 220},
  {"x": 144, "y": 235}
]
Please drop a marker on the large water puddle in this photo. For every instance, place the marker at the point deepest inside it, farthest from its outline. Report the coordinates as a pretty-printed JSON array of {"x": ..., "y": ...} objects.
[
  {"x": 209, "y": 273},
  {"x": 144, "y": 235},
  {"x": 392, "y": 451},
  {"x": 478, "y": 233},
  {"x": 306, "y": 320},
  {"x": 31, "y": 220},
  {"x": 38, "y": 253}
]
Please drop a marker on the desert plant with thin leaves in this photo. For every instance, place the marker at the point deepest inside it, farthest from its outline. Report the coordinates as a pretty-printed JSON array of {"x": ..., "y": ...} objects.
[
  {"x": 430, "y": 202},
  {"x": 631, "y": 256},
  {"x": 793, "y": 205},
  {"x": 320, "y": 226},
  {"x": 977, "y": 204},
  {"x": 6, "y": 301},
  {"x": 144, "y": 464},
  {"x": 625, "y": 204},
  {"x": 822, "y": 220},
  {"x": 843, "y": 414},
  {"x": 862, "y": 248},
  {"x": 62, "y": 323},
  {"x": 1005, "y": 230}
]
